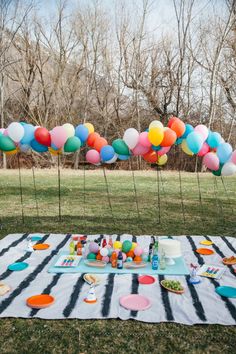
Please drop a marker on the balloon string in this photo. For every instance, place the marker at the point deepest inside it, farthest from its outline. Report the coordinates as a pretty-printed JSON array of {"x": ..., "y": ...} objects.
[
  {"x": 227, "y": 194},
  {"x": 59, "y": 185},
  {"x": 199, "y": 190},
  {"x": 84, "y": 199},
  {"x": 21, "y": 190},
  {"x": 181, "y": 196},
  {"x": 108, "y": 194},
  {"x": 135, "y": 193},
  {"x": 163, "y": 189},
  {"x": 35, "y": 193},
  {"x": 218, "y": 204},
  {"x": 158, "y": 197}
]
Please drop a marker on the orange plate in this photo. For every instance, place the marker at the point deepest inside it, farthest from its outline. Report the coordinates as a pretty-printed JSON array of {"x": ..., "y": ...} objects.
[
  {"x": 228, "y": 262},
  {"x": 40, "y": 301},
  {"x": 204, "y": 251},
  {"x": 41, "y": 246}
]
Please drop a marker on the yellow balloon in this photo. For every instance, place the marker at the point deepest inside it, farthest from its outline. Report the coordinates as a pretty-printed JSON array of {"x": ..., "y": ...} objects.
[
  {"x": 55, "y": 152},
  {"x": 185, "y": 148},
  {"x": 12, "y": 152},
  {"x": 162, "y": 160},
  {"x": 134, "y": 244},
  {"x": 117, "y": 245},
  {"x": 70, "y": 130},
  {"x": 90, "y": 127},
  {"x": 156, "y": 135},
  {"x": 156, "y": 124}
]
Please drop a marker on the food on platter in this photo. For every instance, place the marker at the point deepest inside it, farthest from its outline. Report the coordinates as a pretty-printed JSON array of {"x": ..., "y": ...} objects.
[
  {"x": 4, "y": 288},
  {"x": 171, "y": 248},
  {"x": 94, "y": 263},
  {"x": 173, "y": 285},
  {"x": 229, "y": 261},
  {"x": 134, "y": 265},
  {"x": 91, "y": 279}
]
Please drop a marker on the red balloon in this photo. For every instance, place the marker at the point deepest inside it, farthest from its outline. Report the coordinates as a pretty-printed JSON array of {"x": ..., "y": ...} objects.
[
  {"x": 99, "y": 143},
  {"x": 151, "y": 156},
  {"x": 171, "y": 121},
  {"x": 42, "y": 136},
  {"x": 169, "y": 137},
  {"x": 92, "y": 138}
]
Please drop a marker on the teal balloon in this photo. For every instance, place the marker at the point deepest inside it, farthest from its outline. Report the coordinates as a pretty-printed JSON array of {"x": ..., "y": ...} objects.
[
  {"x": 6, "y": 144},
  {"x": 194, "y": 141},
  {"x": 91, "y": 256},
  {"x": 214, "y": 139},
  {"x": 120, "y": 147},
  {"x": 156, "y": 148},
  {"x": 218, "y": 172},
  {"x": 126, "y": 246},
  {"x": 224, "y": 152},
  {"x": 72, "y": 144},
  {"x": 188, "y": 129}
]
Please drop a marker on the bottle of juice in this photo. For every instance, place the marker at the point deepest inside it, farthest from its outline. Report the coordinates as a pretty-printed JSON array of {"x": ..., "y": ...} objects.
[
  {"x": 79, "y": 247},
  {"x": 114, "y": 260},
  {"x": 162, "y": 261},
  {"x": 72, "y": 247},
  {"x": 104, "y": 243},
  {"x": 155, "y": 257},
  {"x": 110, "y": 243},
  {"x": 120, "y": 261}
]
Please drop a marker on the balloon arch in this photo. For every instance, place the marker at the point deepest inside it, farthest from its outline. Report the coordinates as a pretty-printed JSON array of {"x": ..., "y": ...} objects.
[{"x": 153, "y": 144}]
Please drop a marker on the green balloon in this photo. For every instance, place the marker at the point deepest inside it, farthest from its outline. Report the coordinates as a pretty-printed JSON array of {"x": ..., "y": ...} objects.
[
  {"x": 91, "y": 256},
  {"x": 120, "y": 147},
  {"x": 218, "y": 172},
  {"x": 6, "y": 144},
  {"x": 72, "y": 144},
  {"x": 126, "y": 246}
]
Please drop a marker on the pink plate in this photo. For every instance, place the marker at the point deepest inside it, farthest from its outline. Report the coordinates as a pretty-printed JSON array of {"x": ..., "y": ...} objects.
[
  {"x": 135, "y": 302},
  {"x": 146, "y": 279}
]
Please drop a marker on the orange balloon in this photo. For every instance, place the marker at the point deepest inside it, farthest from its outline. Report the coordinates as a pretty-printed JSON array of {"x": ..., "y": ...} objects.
[
  {"x": 171, "y": 121},
  {"x": 179, "y": 127},
  {"x": 138, "y": 259},
  {"x": 169, "y": 137},
  {"x": 99, "y": 143},
  {"x": 91, "y": 139},
  {"x": 130, "y": 254},
  {"x": 151, "y": 156}
]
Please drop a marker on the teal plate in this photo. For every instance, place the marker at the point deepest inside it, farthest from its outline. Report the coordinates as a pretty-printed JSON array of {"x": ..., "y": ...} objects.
[
  {"x": 18, "y": 266},
  {"x": 36, "y": 238},
  {"x": 226, "y": 291}
]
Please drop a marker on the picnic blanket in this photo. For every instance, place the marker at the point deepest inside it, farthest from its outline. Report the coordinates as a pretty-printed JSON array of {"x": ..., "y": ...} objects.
[{"x": 198, "y": 305}]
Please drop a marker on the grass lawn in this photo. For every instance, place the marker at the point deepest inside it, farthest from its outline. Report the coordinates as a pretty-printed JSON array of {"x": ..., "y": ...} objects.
[{"x": 150, "y": 206}]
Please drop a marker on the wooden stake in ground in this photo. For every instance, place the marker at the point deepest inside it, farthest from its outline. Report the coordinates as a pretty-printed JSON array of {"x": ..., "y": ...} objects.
[
  {"x": 35, "y": 193},
  {"x": 59, "y": 185},
  {"x": 21, "y": 191}
]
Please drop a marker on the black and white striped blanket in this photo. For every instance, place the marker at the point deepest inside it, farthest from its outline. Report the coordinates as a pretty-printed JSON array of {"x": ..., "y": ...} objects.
[{"x": 199, "y": 304}]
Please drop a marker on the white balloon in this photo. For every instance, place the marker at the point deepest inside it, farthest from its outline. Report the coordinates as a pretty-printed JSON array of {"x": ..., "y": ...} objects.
[
  {"x": 228, "y": 169},
  {"x": 156, "y": 124},
  {"x": 131, "y": 137},
  {"x": 104, "y": 252},
  {"x": 15, "y": 131},
  {"x": 114, "y": 158},
  {"x": 70, "y": 130}
]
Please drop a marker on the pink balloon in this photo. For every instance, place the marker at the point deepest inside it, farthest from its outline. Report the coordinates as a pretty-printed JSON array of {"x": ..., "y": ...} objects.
[
  {"x": 140, "y": 150},
  {"x": 124, "y": 256},
  {"x": 233, "y": 157},
  {"x": 106, "y": 259},
  {"x": 211, "y": 161},
  {"x": 58, "y": 137},
  {"x": 202, "y": 130},
  {"x": 204, "y": 150},
  {"x": 5, "y": 132},
  {"x": 93, "y": 156},
  {"x": 143, "y": 139},
  {"x": 163, "y": 150}
]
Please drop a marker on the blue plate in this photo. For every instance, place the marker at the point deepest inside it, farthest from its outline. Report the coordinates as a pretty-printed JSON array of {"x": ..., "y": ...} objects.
[
  {"x": 226, "y": 291},
  {"x": 36, "y": 238},
  {"x": 18, "y": 266}
]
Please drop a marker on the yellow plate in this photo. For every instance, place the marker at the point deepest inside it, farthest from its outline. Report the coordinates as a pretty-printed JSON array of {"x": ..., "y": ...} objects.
[{"x": 206, "y": 243}]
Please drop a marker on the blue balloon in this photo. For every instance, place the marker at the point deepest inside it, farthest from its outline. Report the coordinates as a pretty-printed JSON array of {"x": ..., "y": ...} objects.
[
  {"x": 179, "y": 141},
  {"x": 28, "y": 134},
  {"x": 24, "y": 147},
  {"x": 156, "y": 148},
  {"x": 38, "y": 147},
  {"x": 224, "y": 152},
  {"x": 54, "y": 147},
  {"x": 82, "y": 132},
  {"x": 107, "y": 153},
  {"x": 194, "y": 141},
  {"x": 123, "y": 157},
  {"x": 188, "y": 129},
  {"x": 214, "y": 139}
]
